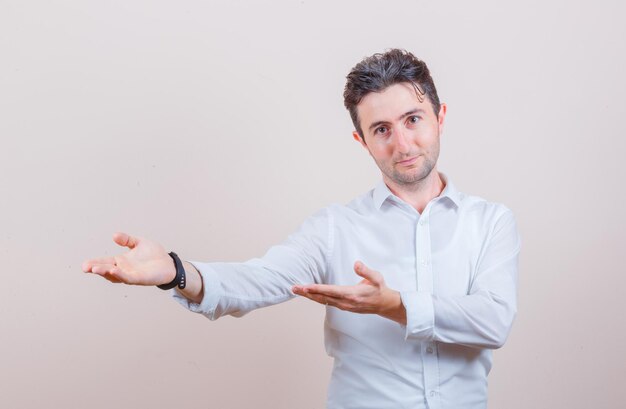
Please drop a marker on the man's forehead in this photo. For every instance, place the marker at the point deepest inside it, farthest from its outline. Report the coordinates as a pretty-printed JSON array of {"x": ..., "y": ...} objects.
[{"x": 393, "y": 101}]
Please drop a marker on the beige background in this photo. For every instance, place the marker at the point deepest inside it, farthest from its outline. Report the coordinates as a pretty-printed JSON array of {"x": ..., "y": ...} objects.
[{"x": 216, "y": 127}]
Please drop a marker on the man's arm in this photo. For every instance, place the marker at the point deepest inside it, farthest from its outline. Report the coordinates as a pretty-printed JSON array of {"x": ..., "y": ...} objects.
[
  {"x": 483, "y": 318},
  {"x": 238, "y": 288},
  {"x": 194, "y": 289},
  {"x": 216, "y": 289},
  {"x": 480, "y": 319}
]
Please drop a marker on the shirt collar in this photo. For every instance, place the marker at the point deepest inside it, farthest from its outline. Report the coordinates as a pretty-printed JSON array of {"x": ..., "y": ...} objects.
[
  {"x": 382, "y": 193},
  {"x": 450, "y": 191}
]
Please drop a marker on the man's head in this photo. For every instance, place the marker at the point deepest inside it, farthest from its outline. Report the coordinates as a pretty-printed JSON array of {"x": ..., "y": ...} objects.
[
  {"x": 397, "y": 116},
  {"x": 380, "y": 71}
]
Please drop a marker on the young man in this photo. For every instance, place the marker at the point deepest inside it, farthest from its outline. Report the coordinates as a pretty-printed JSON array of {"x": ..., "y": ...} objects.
[{"x": 418, "y": 279}]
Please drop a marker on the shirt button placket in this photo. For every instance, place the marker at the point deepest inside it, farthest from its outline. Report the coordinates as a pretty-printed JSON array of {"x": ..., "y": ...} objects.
[{"x": 425, "y": 283}]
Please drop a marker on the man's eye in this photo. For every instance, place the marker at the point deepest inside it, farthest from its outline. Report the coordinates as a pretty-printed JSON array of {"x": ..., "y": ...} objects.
[
  {"x": 381, "y": 130},
  {"x": 414, "y": 119}
]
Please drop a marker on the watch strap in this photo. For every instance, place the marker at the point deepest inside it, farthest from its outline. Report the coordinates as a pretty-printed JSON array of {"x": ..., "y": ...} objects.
[{"x": 180, "y": 280}]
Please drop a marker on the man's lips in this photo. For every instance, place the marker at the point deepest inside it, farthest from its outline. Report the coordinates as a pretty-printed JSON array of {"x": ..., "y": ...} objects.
[{"x": 407, "y": 162}]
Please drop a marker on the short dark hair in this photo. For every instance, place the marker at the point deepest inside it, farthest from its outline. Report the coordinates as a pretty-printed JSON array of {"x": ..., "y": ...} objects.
[{"x": 382, "y": 70}]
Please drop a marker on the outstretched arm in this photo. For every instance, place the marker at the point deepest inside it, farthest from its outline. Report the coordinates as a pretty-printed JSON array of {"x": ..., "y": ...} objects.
[{"x": 217, "y": 289}]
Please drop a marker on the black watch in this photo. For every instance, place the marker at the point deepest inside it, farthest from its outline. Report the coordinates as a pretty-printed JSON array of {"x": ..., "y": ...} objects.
[{"x": 180, "y": 279}]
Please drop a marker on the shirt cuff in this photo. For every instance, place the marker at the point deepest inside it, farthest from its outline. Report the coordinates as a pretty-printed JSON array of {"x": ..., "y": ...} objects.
[
  {"x": 420, "y": 315},
  {"x": 212, "y": 292}
]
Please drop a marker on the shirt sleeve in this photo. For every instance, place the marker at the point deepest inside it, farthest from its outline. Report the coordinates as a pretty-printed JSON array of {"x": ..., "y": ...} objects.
[
  {"x": 238, "y": 288},
  {"x": 482, "y": 318}
]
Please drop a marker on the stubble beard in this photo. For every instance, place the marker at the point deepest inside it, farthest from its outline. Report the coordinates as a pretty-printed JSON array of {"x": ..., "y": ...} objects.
[{"x": 410, "y": 179}]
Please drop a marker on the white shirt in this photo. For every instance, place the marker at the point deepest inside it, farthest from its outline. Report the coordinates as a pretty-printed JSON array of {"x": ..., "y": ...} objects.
[{"x": 455, "y": 266}]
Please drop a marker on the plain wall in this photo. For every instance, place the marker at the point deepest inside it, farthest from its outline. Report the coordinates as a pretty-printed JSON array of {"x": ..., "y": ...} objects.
[{"x": 217, "y": 127}]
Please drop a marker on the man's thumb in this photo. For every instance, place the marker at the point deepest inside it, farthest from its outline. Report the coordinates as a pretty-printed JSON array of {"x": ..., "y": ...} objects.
[
  {"x": 125, "y": 240},
  {"x": 366, "y": 272}
]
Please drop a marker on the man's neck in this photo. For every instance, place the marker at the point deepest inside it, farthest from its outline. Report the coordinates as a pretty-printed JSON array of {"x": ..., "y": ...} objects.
[{"x": 420, "y": 193}]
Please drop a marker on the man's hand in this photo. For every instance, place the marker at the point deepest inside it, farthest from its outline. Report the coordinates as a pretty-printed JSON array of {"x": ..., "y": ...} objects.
[
  {"x": 147, "y": 263},
  {"x": 369, "y": 296}
]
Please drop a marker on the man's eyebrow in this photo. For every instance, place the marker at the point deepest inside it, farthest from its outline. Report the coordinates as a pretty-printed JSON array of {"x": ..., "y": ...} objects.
[{"x": 409, "y": 113}]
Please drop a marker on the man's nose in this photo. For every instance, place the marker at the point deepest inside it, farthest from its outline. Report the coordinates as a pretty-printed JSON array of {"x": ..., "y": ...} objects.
[{"x": 402, "y": 139}]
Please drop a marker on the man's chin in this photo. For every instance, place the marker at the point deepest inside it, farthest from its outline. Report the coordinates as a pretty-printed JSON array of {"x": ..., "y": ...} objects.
[
  {"x": 407, "y": 179},
  {"x": 409, "y": 176}
]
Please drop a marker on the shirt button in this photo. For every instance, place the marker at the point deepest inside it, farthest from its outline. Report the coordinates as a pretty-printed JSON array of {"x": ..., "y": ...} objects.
[
  {"x": 429, "y": 350},
  {"x": 432, "y": 394},
  {"x": 423, "y": 222}
]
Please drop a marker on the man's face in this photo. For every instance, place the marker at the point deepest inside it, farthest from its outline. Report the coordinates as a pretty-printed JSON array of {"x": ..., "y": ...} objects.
[{"x": 401, "y": 133}]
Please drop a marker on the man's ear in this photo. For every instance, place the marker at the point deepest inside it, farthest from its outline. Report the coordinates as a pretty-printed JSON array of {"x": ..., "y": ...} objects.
[
  {"x": 358, "y": 138},
  {"x": 443, "y": 108}
]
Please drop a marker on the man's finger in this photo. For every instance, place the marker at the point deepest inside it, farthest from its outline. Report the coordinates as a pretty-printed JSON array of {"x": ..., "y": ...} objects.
[
  {"x": 101, "y": 269},
  {"x": 338, "y": 291},
  {"x": 110, "y": 272},
  {"x": 88, "y": 265},
  {"x": 125, "y": 240},
  {"x": 364, "y": 271},
  {"x": 112, "y": 278},
  {"x": 325, "y": 300}
]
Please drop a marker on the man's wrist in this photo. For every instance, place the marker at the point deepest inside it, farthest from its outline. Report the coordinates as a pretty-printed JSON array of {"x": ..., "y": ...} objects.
[
  {"x": 194, "y": 291},
  {"x": 393, "y": 308},
  {"x": 179, "y": 279}
]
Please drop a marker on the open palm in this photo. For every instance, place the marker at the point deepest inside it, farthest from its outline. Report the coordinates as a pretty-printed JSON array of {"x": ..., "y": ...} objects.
[{"x": 147, "y": 263}]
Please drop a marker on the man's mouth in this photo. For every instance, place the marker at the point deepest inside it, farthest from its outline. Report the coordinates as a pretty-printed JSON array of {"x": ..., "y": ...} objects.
[{"x": 408, "y": 162}]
